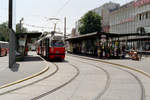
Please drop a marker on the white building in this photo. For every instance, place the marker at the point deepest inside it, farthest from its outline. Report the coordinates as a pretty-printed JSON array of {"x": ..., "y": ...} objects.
[
  {"x": 142, "y": 15},
  {"x": 132, "y": 17},
  {"x": 122, "y": 20}
]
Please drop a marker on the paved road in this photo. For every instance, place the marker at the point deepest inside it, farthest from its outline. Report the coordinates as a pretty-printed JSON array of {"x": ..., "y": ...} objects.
[
  {"x": 99, "y": 81},
  {"x": 3, "y": 63},
  {"x": 82, "y": 79}
]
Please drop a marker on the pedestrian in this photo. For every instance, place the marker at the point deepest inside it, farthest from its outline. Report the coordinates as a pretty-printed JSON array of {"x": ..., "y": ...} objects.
[{"x": 99, "y": 52}]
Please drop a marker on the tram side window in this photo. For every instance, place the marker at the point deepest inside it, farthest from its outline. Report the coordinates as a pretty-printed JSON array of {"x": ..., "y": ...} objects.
[
  {"x": 40, "y": 43},
  {"x": 47, "y": 42},
  {"x": 3, "y": 45}
]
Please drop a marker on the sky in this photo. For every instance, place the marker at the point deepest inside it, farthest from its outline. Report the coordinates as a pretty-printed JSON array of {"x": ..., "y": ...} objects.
[{"x": 36, "y": 13}]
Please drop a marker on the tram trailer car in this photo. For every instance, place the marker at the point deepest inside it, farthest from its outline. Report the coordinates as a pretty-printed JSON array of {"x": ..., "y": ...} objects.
[
  {"x": 3, "y": 48},
  {"x": 51, "y": 46}
]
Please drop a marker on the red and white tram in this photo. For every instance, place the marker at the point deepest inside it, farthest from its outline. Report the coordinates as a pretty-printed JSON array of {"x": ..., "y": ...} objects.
[
  {"x": 51, "y": 46},
  {"x": 3, "y": 48}
]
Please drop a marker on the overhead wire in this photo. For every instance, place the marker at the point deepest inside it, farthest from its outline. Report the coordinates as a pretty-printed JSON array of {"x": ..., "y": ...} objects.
[
  {"x": 35, "y": 26},
  {"x": 61, "y": 8}
]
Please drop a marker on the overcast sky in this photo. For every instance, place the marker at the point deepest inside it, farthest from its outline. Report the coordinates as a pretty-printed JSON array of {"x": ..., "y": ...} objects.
[{"x": 37, "y": 12}]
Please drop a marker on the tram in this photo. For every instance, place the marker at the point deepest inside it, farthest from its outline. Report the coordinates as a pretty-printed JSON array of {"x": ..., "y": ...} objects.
[
  {"x": 51, "y": 46},
  {"x": 3, "y": 48}
]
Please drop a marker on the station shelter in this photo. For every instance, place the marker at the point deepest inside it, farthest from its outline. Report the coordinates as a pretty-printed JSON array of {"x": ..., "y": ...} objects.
[
  {"x": 108, "y": 45},
  {"x": 24, "y": 41}
]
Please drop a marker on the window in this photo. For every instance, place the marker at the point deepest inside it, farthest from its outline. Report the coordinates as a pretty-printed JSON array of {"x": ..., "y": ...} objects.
[
  {"x": 147, "y": 29},
  {"x": 143, "y": 16},
  {"x": 140, "y": 16},
  {"x": 146, "y": 15}
]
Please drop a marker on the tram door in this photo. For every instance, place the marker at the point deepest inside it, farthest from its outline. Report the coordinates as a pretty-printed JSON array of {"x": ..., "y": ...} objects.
[
  {"x": 0, "y": 48},
  {"x": 47, "y": 47}
]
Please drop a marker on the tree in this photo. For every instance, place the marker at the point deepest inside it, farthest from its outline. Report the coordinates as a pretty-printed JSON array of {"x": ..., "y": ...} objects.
[
  {"x": 4, "y": 30},
  {"x": 90, "y": 22},
  {"x": 20, "y": 28}
]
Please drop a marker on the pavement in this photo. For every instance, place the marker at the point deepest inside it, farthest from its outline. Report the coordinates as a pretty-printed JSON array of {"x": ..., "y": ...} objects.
[
  {"x": 31, "y": 65},
  {"x": 31, "y": 88}
]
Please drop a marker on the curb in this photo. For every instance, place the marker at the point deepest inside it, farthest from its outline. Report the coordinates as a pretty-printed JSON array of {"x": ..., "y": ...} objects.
[{"x": 27, "y": 78}]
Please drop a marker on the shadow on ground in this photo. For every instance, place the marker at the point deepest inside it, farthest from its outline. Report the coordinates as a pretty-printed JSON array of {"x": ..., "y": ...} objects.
[{"x": 30, "y": 58}]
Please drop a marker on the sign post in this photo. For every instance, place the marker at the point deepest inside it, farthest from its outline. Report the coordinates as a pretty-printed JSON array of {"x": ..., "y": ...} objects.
[{"x": 12, "y": 37}]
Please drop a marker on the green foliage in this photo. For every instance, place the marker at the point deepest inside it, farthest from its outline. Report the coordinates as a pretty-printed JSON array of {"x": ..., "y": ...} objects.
[
  {"x": 20, "y": 28},
  {"x": 90, "y": 22},
  {"x": 4, "y": 32}
]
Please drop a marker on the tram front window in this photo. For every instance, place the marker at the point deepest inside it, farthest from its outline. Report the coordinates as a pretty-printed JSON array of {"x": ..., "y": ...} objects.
[{"x": 57, "y": 43}]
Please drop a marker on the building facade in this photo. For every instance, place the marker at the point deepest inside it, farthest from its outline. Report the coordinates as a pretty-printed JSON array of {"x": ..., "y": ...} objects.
[
  {"x": 122, "y": 20},
  {"x": 133, "y": 17},
  {"x": 142, "y": 16}
]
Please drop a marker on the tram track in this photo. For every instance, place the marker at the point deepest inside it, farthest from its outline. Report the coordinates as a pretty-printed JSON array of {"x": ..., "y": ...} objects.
[
  {"x": 77, "y": 72},
  {"x": 61, "y": 86},
  {"x": 109, "y": 79},
  {"x": 107, "y": 82},
  {"x": 46, "y": 77},
  {"x": 140, "y": 83}
]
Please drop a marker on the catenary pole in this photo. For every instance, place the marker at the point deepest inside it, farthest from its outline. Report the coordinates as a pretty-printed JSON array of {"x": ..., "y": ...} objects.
[
  {"x": 12, "y": 38},
  {"x": 64, "y": 28}
]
